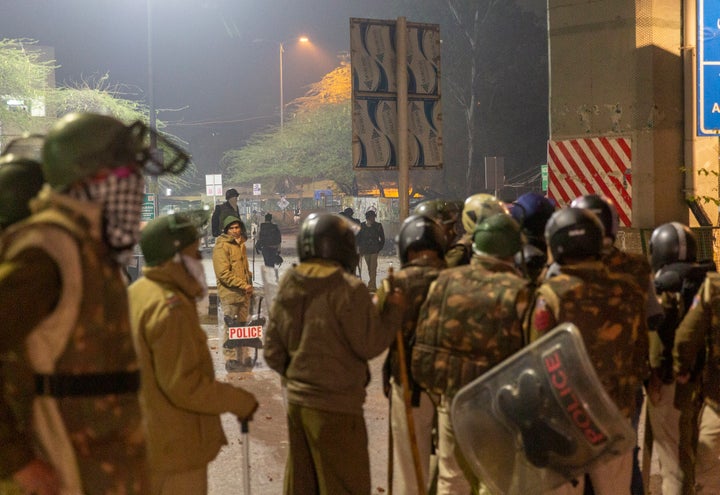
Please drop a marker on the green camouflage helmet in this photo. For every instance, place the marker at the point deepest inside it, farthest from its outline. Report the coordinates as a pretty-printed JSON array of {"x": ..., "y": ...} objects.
[
  {"x": 229, "y": 220},
  {"x": 20, "y": 181},
  {"x": 479, "y": 207},
  {"x": 165, "y": 236},
  {"x": 79, "y": 145},
  {"x": 443, "y": 212},
  {"x": 499, "y": 235}
]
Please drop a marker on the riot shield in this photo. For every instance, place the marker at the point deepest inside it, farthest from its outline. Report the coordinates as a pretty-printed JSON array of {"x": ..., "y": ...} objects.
[{"x": 540, "y": 418}]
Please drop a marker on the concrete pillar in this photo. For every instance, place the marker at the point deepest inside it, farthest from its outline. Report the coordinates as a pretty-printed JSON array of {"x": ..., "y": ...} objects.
[{"x": 617, "y": 70}]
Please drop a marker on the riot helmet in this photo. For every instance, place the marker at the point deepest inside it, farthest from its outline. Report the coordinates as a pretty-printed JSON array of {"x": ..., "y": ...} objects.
[
  {"x": 574, "y": 233},
  {"x": 670, "y": 243},
  {"x": 441, "y": 211},
  {"x": 603, "y": 208},
  {"x": 328, "y": 236},
  {"x": 499, "y": 235},
  {"x": 79, "y": 145},
  {"x": 532, "y": 210},
  {"x": 419, "y": 232},
  {"x": 20, "y": 181},
  {"x": 478, "y": 207},
  {"x": 165, "y": 236}
]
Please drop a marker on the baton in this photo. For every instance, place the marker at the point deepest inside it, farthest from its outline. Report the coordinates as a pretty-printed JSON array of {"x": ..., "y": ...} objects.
[{"x": 244, "y": 430}]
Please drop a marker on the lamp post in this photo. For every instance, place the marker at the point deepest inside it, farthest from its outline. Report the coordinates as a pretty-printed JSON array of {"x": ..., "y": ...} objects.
[{"x": 281, "y": 50}]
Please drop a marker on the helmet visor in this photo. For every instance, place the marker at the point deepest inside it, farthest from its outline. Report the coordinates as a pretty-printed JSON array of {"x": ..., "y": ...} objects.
[{"x": 167, "y": 158}]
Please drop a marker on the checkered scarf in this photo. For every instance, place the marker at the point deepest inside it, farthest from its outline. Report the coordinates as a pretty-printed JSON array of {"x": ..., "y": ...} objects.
[{"x": 121, "y": 198}]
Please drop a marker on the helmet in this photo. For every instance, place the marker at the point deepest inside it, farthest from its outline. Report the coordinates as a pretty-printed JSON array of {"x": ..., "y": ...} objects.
[
  {"x": 532, "y": 211},
  {"x": 165, "y": 236},
  {"x": 81, "y": 144},
  {"x": 670, "y": 243},
  {"x": 330, "y": 237},
  {"x": 499, "y": 235},
  {"x": 229, "y": 220},
  {"x": 575, "y": 233},
  {"x": 231, "y": 193},
  {"x": 478, "y": 207},
  {"x": 419, "y": 232},
  {"x": 20, "y": 181},
  {"x": 441, "y": 211},
  {"x": 603, "y": 207}
]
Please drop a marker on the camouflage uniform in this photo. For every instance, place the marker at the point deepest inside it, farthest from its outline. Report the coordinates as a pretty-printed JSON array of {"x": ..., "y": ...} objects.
[
  {"x": 470, "y": 321},
  {"x": 69, "y": 304},
  {"x": 697, "y": 353},
  {"x": 608, "y": 308},
  {"x": 414, "y": 280}
]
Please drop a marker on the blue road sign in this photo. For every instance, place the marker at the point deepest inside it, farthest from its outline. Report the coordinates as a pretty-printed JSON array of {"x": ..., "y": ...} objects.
[{"x": 708, "y": 67}]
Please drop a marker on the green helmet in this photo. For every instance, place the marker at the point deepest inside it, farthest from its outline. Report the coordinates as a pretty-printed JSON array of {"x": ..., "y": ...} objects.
[
  {"x": 20, "y": 181},
  {"x": 229, "y": 220},
  {"x": 479, "y": 207},
  {"x": 81, "y": 144},
  {"x": 443, "y": 212},
  {"x": 499, "y": 235},
  {"x": 165, "y": 236}
]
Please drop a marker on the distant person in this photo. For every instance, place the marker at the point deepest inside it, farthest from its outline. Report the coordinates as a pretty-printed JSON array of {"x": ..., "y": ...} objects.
[
  {"x": 180, "y": 398},
  {"x": 234, "y": 286},
  {"x": 269, "y": 240},
  {"x": 222, "y": 211},
  {"x": 348, "y": 213},
  {"x": 296, "y": 216},
  {"x": 371, "y": 240}
]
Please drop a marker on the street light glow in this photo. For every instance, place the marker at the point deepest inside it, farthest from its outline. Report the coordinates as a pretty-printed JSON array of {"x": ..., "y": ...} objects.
[{"x": 304, "y": 39}]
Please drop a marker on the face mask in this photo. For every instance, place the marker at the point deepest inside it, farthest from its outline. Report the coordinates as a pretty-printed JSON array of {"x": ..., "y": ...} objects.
[
  {"x": 196, "y": 269},
  {"x": 121, "y": 197}
]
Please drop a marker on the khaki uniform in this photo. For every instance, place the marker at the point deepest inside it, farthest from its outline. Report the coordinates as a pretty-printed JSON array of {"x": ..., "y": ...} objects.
[
  {"x": 470, "y": 321},
  {"x": 233, "y": 276},
  {"x": 608, "y": 309},
  {"x": 322, "y": 330},
  {"x": 74, "y": 321},
  {"x": 180, "y": 398}
]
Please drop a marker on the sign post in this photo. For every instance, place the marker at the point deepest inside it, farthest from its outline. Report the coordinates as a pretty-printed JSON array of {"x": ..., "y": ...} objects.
[
  {"x": 708, "y": 67},
  {"x": 213, "y": 186}
]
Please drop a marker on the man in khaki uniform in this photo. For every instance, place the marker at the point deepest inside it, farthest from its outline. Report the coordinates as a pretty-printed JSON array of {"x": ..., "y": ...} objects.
[
  {"x": 235, "y": 287},
  {"x": 180, "y": 398}
]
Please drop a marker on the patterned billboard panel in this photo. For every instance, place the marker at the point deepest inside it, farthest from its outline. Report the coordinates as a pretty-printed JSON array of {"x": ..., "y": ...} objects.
[
  {"x": 374, "y": 92},
  {"x": 592, "y": 166}
]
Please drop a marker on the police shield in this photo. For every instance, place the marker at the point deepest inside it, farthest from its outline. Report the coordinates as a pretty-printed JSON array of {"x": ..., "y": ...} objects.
[{"x": 540, "y": 418}]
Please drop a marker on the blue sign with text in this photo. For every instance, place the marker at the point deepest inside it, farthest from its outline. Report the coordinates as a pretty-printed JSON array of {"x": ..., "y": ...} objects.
[{"x": 708, "y": 67}]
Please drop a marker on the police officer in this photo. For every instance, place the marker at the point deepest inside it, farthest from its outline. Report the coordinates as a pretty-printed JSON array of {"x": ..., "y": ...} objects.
[
  {"x": 20, "y": 180},
  {"x": 470, "y": 321},
  {"x": 532, "y": 211},
  {"x": 421, "y": 247},
  {"x": 323, "y": 328},
  {"x": 475, "y": 209},
  {"x": 608, "y": 309},
  {"x": 65, "y": 297},
  {"x": 180, "y": 397}
]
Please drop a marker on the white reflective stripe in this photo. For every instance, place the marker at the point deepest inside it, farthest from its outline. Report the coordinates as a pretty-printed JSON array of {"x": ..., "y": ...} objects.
[{"x": 682, "y": 241}]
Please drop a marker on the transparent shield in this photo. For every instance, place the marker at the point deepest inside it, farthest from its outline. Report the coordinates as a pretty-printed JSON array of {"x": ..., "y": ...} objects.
[{"x": 540, "y": 418}]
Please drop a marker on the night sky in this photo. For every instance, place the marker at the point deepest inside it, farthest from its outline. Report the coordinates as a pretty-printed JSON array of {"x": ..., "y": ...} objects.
[{"x": 214, "y": 82}]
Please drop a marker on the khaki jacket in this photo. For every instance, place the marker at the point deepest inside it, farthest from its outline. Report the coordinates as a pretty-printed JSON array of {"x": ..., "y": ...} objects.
[
  {"x": 179, "y": 396},
  {"x": 323, "y": 329},
  {"x": 231, "y": 269}
]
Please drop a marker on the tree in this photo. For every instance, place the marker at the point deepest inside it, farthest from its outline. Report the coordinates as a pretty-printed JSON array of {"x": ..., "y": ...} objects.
[
  {"x": 24, "y": 77},
  {"x": 314, "y": 143}
]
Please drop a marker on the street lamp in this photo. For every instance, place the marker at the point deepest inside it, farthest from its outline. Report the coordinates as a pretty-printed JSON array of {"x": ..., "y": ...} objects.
[{"x": 281, "y": 46}]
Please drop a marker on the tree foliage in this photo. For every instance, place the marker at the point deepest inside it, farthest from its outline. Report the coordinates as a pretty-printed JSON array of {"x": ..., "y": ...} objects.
[
  {"x": 314, "y": 143},
  {"x": 24, "y": 76}
]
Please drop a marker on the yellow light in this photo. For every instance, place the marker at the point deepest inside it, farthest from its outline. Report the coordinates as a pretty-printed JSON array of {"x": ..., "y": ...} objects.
[{"x": 304, "y": 39}]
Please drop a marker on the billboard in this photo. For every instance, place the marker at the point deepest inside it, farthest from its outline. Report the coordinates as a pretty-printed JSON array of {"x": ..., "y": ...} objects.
[{"x": 374, "y": 94}]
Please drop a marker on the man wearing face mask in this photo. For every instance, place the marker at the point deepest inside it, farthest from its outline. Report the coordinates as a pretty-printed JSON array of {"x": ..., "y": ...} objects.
[
  {"x": 180, "y": 398},
  {"x": 63, "y": 294}
]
